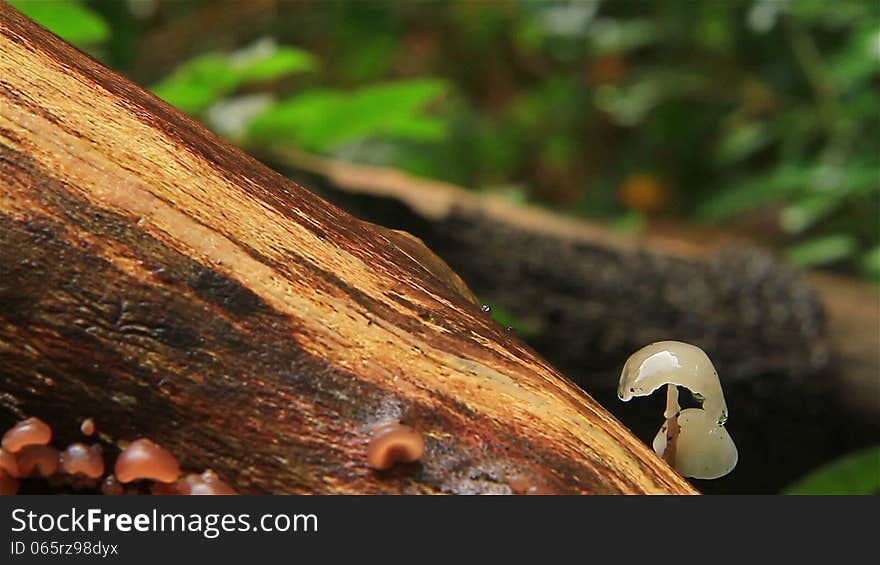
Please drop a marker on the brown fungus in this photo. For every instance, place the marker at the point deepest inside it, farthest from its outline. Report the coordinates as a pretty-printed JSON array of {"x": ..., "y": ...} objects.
[
  {"x": 32, "y": 431},
  {"x": 8, "y": 464},
  {"x": 528, "y": 485},
  {"x": 37, "y": 460},
  {"x": 207, "y": 483},
  {"x": 87, "y": 427},
  {"x": 394, "y": 443},
  {"x": 144, "y": 459},
  {"x": 80, "y": 459},
  {"x": 111, "y": 486}
]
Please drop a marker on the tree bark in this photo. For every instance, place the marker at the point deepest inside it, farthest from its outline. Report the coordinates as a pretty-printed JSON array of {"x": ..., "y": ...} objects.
[
  {"x": 797, "y": 353},
  {"x": 164, "y": 283}
]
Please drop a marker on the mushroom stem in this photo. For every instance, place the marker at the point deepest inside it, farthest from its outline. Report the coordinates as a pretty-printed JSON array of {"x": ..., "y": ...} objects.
[
  {"x": 672, "y": 406},
  {"x": 672, "y": 428}
]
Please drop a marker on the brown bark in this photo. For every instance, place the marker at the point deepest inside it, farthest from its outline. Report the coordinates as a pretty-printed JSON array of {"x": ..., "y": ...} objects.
[
  {"x": 797, "y": 354},
  {"x": 160, "y": 281}
]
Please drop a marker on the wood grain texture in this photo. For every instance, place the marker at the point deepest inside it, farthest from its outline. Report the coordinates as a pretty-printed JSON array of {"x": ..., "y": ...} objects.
[
  {"x": 797, "y": 355},
  {"x": 161, "y": 281}
]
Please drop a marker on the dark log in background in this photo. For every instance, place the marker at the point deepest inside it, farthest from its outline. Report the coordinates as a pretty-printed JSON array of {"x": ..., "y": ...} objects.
[
  {"x": 159, "y": 280},
  {"x": 798, "y": 357}
]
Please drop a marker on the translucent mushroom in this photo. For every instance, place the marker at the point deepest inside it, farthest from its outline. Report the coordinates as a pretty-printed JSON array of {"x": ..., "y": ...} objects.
[
  {"x": 37, "y": 460},
  {"x": 394, "y": 443},
  {"x": 694, "y": 440},
  {"x": 88, "y": 426},
  {"x": 32, "y": 431},
  {"x": 80, "y": 459},
  {"x": 144, "y": 459},
  {"x": 207, "y": 483}
]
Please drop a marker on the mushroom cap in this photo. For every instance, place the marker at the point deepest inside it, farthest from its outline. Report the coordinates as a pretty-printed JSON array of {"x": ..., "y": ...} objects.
[
  {"x": 393, "y": 443},
  {"x": 88, "y": 426},
  {"x": 31, "y": 431},
  {"x": 41, "y": 460},
  {"x": 208, "y": 483},
  {"x": 703, "y": 449},
  {"x": 80, "y": 459},
  {"x": 673, "y": 363},
  {"x": 144, "y": 459}
]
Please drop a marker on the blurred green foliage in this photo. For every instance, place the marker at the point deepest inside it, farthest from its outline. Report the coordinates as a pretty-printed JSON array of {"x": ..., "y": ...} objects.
[
  {"x": 70, "y": 19},
  {"x": 857, "y": 473},
  {"x": 323, "y": 119},
  {"x": 759, "y": 115},
  {"x": 204, "y": 80}
]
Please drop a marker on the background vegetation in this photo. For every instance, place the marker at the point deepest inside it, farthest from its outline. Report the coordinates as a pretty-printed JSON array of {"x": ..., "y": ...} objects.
[
  {"x": 758, "y": 115},
  {"x": 751, "y": 116}
]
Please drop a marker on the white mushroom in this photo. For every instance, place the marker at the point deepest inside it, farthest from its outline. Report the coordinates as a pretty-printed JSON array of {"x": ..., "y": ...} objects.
[{"x": 694, "y": 440}]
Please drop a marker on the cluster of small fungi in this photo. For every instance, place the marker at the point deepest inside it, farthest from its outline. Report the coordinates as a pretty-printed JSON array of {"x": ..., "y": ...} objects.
[
  {"x": 144, "y": 467},
  {"x": 141, "y": 467}
]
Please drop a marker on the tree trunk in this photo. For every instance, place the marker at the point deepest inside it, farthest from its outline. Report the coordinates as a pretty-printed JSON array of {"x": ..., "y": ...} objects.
[
  {"x": 164, "y": 283},
  {"x": 797, "y": 354}
]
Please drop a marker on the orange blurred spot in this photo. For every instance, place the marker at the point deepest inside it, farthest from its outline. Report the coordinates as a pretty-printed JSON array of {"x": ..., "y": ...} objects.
[{"x": 643, "y": 192}]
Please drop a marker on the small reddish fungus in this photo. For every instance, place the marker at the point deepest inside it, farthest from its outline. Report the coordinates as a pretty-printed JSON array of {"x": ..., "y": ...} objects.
[
  {"x": 87, "y": 427},
  {"x": 394, "y": 443},
  {"x": 39, "y": 460},
  {"x": 80, "y": 459},
  {"x": 112, "y": 487},
  {"x": 8, "y": 464},
  {"x": 208, "y": 483},
  {"x": 521, "y": 484},
  {"x": 144, "y": 459},
  {"x": 32, "y": 431}
]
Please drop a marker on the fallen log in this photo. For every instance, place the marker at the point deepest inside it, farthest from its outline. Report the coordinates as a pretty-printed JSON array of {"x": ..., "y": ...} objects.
[
  {"x": 797, "y": 354},
  {"x": 163, "y": 283}
]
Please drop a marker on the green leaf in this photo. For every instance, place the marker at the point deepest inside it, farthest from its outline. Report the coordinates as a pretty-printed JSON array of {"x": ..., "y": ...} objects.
[
  {"x": 306, "y": 118},
  {"x": 776, "y": 186},
  {"x": 871, "y": 263},
  {"x": 857, "y": 473},
  {"x": 742, "y": 141},
  {"x": 320, "y": 120},
  {"x": 418, "y": 128},
  {"x": 198, "y": 83},
  {"x": 822, "y": 250},
  {"x": 67, "y": 19},
  {"x": 282, "y": 62},
  {"x": 807, "y": 211},
  {"x": 204, "y": 80}
]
